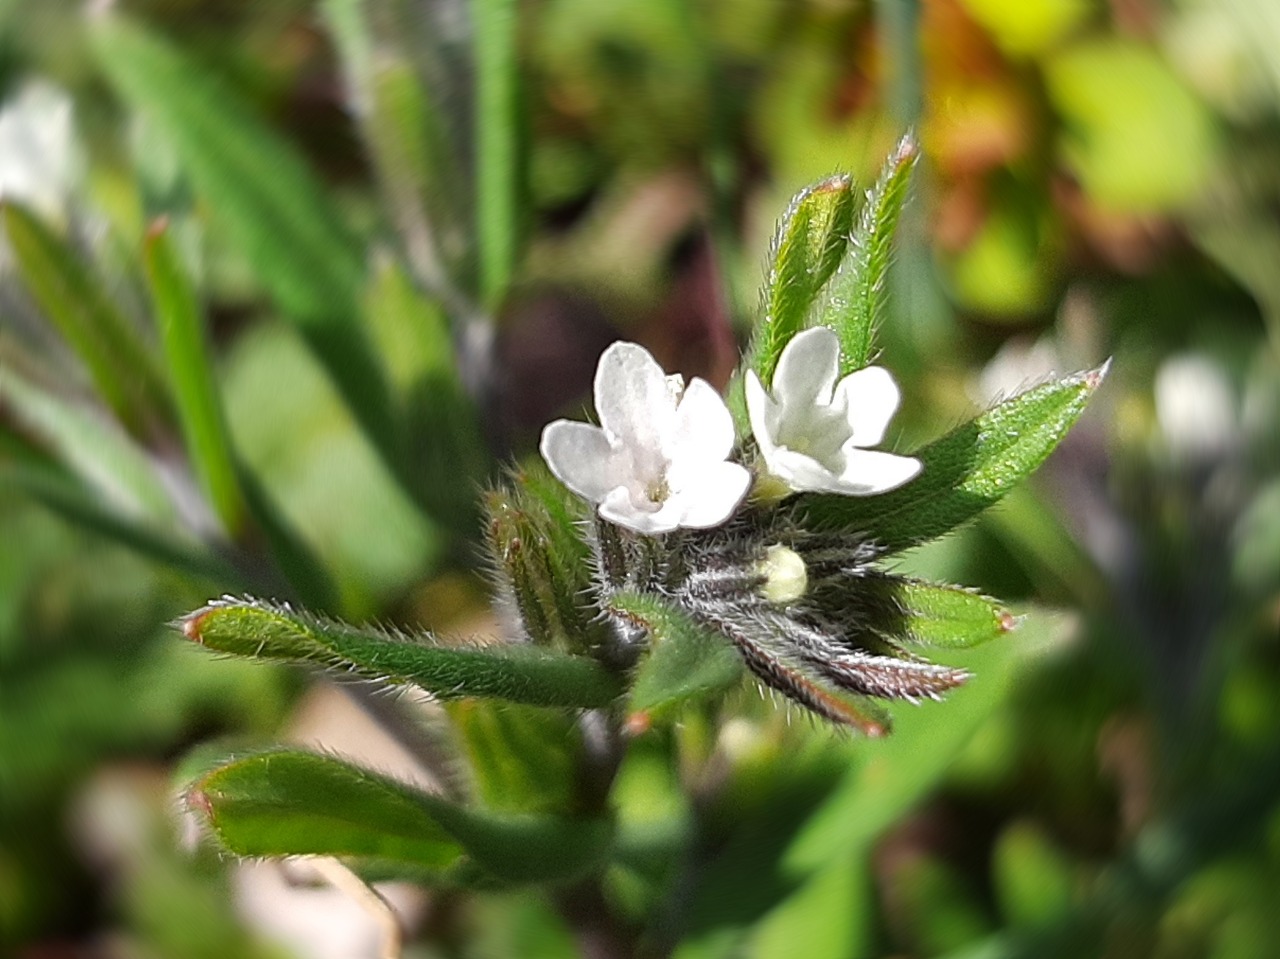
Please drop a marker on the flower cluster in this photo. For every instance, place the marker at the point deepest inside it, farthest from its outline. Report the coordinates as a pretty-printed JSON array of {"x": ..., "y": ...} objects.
[{"x": 660, "y": 459}]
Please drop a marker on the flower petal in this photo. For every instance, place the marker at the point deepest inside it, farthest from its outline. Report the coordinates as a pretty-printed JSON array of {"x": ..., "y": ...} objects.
[
  {"x": 868, "y": 472},
  {"x": 708, "y": 495},
  {"x": 871, "y": 398},
  {"x": 582, "y": 458},
  {"x": 633, "y": 399},
  {"x": 807, "y": 370},
  {"x": 619, "y": 507},
  {"x": 803, "y": 473},
  {"x": 703, "y": 425},
  {"x": 761, "y": 411}
]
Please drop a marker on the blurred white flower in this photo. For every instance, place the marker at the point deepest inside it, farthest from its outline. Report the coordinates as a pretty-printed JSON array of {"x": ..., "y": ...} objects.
[
  {"x": 39, "y": 156},
  {"x": 812, "y": 431},
  {"x": 1195, "y": 407},
  {"x": 659, "y": 459}
]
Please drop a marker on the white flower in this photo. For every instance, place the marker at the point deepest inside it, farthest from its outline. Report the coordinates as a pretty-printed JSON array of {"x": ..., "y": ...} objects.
[
  {"x": 812, "y": 431},
  {"x": 658, "y": 460},
  {"x": 39, "y": 156}
]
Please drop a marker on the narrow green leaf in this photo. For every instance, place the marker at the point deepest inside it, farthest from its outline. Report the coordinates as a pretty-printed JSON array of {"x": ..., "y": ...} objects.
[
  {"x": 448, "y": 460},
  {"x": 684, "y": 662},
  {"x": 270, "y": 204},
  {"x": 853, "y": 301},
  {"x": 44, "y": 481},
  {"x": 91, "y": 445},
  {"x": 521, "y": 674},
  {"x": 1033, "y": 880},
  {"x": 286, "y": 803},
  {"x": 498, "y": 155},
  {"x": 521, "y": 757},
  {"x": 948, "y": 616},
  {"x": 965, "y": 471},
  {"x": 388, "y": 64},
  {"x": 123, "y": 370},
  {"x": 292, "y": 803},
  {"x": 183, "y": 338},
  {"x": 809, "y": 244}
]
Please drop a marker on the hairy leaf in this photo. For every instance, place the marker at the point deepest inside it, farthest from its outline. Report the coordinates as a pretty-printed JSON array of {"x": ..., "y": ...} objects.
[
  {"x": 853, "y": 301},
  {"x": 965, "y": 471},
  {"x": 520, "y": 674},
  {"x": 948, "y": 616},
  {"x": 685, "y": 661},
  {"x": 287, "y": 803},
  {"x": 809, "y": 244}
]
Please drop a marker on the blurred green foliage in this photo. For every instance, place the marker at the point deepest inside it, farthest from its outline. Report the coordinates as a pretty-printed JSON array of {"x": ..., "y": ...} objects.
[{"x": 392, "y": 233}]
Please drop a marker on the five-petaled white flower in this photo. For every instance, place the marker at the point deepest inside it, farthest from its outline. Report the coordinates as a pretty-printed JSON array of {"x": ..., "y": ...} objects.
[
  {"x": 659, "y": 458},
  {"x": 812, "y": 430}
]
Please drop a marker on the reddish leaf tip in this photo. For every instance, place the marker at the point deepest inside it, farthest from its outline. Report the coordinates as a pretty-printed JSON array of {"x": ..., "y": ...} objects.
[
  {"x": 1093, "y": 378},
  {"x": 637, "y": 724},
  {"x": 191, "y": 623},
  {"x": 1008, "y": 622}
]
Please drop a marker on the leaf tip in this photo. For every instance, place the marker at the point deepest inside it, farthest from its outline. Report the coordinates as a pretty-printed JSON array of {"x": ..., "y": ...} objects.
[
  {"x": 190, "y": 624},
  {"x": 1006, "y": 621},
  {"x": 907, "y": 150},
  {"x": 157, "y": 228},
  {"x": 1093, "y": 379},
  {"x": 637, "y": 724}
]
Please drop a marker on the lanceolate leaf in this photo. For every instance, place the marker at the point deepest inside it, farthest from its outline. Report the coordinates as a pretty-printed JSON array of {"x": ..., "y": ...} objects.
[
  {"x": 965, "y": 471},
  {"x": 948, "y": 616},
  {"x": 90, "y": 444},
  {"x": 288, "y": 803},
  {"x": 811, "y": 240},
  {"x": 55, "y": 489},
  {"x": 183, "y": 338},
  {"x": 521, "y": 674},
  {"x": 685, "y": 661},
  {"x": 853, "y": 300},
  {"x": 270, "y": 203},
  {"x": 124, "y": 373}
]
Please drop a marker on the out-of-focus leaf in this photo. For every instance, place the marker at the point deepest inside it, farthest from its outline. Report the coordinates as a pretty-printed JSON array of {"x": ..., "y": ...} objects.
[
  {"x": 270, "y": 203},
  {"x": 832, "y": 917},
  {"x": 297, "y": 562},
  {"x": 498, "y": 152},
  {"x": 285, "y": 803},
  {"x": 888, "y": 783},
  {"x": 90, "y": 445},
  {"x": 448, "y": 460},
  {"x": 941, "y": 911},
  {"x": 965, "y": 471},
  {"x": 521, "y": 674},
  {"x": 1027, "y": 29},
  {"x": 810, "y": 242},
  {"x": 48, "y": 484},
  {"x": 948, "y": 616},
  {"x": 684, "y": 661},
  {"x": 522, "y": 758},
  {"x": 183, "y": 338},
  {"x": 409, "y": 136},
  {"x": 1033, "y": 881},
  {"x": 853, "y": 301},
  {"x": 1124, "y": 107},
  {"x": 124, "y": 372}
]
